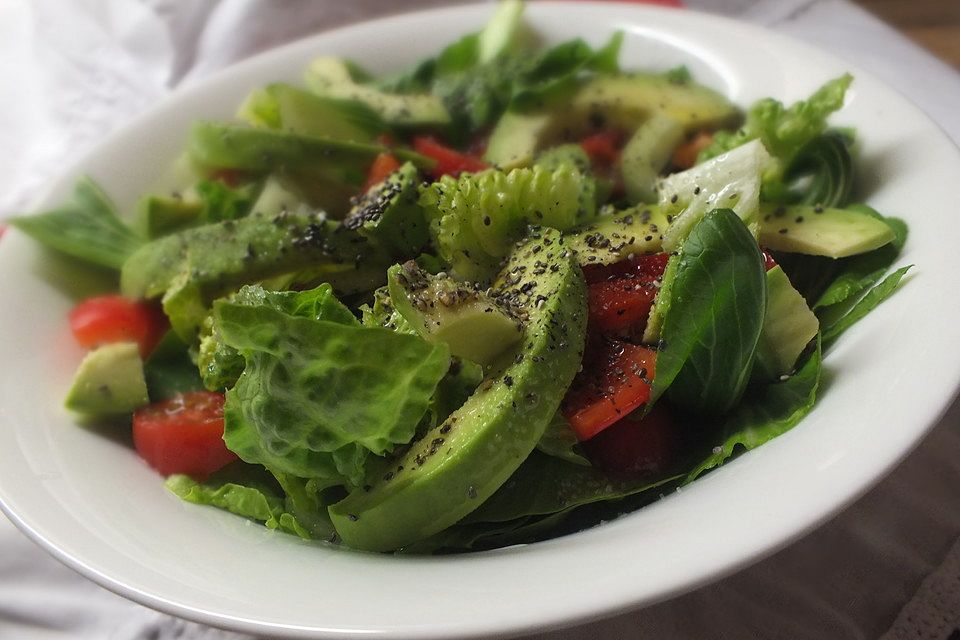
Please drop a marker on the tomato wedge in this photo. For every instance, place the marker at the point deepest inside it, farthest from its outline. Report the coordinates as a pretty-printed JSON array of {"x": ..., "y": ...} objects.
[
  {"x": 449, "y": 161},
  {"x": 637, "y": 445},
  {"x": 183, "y": 435},
  {"x": 112, "y": 318},
  {"x": 615, "y": 380},
  {"x": 686, "y": 154},
  {"x": 383, "y": 165}
]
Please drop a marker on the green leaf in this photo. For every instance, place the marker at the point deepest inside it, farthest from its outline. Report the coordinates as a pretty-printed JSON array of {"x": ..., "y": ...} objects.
[
  {"x": 169, "y": 370},
  {"x": 220, "y": 364},
  {"x": 560, "y": 441},
  {"x": 711, "y": 329},
  {"x": 868, "y": 303},
  {"x": 316, "y": 397},
  {"x": 87, "y": 227},
  {"x": 221, "y": 202},
  {"x": 765, "y": 413},
  {"x": 784, "y": 131}
]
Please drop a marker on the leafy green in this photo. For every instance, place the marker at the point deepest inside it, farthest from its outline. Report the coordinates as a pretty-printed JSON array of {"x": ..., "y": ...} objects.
[
  {"x": 856, "y": 274},
  {"x": 560, "y": 441},
  {"x": 87, "y": 227},
  {"x": 221, "y": 202},
  {"x": 168, "y": 369},
  {"x": 865, "y": 305},
  {"x": 220, "y": 364},
  {"x": 243, "y": 495},
  {"x": 317, "y": 396},
  {"x": 711, "y": 329},
  {"x": 389, "y": 214},
  {"x": 766, "y": 412},
  {"x": 784, "y": 131},
  {"x": 820, "y": 174}
]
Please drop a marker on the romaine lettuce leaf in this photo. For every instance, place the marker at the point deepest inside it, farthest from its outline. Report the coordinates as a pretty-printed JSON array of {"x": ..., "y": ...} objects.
[
  {"x": 316, "y": 396},
  {"x": 784, "y": 131}
]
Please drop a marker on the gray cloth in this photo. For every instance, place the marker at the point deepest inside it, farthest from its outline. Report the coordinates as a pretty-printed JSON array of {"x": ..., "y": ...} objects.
[{"x": 889, "y": 562}]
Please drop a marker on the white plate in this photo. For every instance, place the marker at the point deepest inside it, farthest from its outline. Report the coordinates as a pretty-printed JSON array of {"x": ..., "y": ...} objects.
[{"x": 90, "y": 501}]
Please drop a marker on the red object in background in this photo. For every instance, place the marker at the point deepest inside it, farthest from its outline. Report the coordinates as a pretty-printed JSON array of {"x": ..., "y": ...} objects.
[
  {"x": 603, "y": 148},
  {"x": 768, "y": 260},
  {"x": 183, "y": 435},
  {"x": 113, "y": 318},
  {"x": 687, "y": 153},
  {"x": 646, "y": 445},
  {"x": 614, "y": 381},
  {"x": 450, "y": 162},
  {"x": 3, "y": 230},
  {"x": 383, "y": 165},
  {"x": 230, "y": 177}
]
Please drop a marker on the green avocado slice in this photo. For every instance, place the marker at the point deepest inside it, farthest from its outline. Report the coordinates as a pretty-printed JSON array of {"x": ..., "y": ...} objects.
[{"x": 463, "y": 461}]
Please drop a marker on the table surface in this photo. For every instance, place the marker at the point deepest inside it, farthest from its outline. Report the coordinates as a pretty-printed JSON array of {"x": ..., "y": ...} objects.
[{"x": 933, "y": 24}]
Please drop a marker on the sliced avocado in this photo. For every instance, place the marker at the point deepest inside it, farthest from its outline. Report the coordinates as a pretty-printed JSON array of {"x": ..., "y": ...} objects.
[
  {"x": 218, "y": 257},
  {"x": 390, "y": 213},
  {"x": 646, "y": 154},
  {"x": 287, "y": 108},
  {"x": 788, "y": 327},
  {"x": 661, "y": 304},
  {"x": 610, "y": 102},
  {"x": 109, "y": 382},
  {"x": 331, "y": 77},
  {"x": 460, "y": 463},
  {"x": 819, "y": 231},
  {"x": 610, "y": 239},
  {"x": 474, "y": 325},
  {"x": 160, "y": 215}
]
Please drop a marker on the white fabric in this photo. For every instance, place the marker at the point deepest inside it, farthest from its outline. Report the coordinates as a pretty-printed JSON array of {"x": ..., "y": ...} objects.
[{"x": 71, "y": 71}]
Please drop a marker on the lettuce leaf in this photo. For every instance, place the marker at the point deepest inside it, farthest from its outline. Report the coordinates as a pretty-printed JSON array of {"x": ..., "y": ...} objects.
[
  {"x": 87, "y": 228},
  {"x": 317, "y": 396},
  {"x": 765, "y": 413},
  {"x": 561, "y": 442},
  {"x": 865, "y": 305}
]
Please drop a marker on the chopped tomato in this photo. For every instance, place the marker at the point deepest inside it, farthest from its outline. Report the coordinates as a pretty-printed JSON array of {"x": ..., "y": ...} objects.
[
  {"x": 386, "y": 139},
  {"x": 618, "y": 305},
  {"x": 647, "y": 268},
  {"x": 383, "y": 165},
  {"x": 3, "y": 229},
  {"x": 603, "y": 148},
  {"x": 112, "y": 318},
  {"x": 614, "y": 381},
  {"x": 646, "y": 445},
  {"x": 686, "y": 154},
  {"x": 183, "y": 435},
  {"x": 230, "y": 177},
  {"x": 449, "y": 161},
  {"x": 769, "y": 262}
]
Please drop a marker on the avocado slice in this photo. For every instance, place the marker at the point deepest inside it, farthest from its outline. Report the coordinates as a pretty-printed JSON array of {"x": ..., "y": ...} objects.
[
  {"x": 331, "y": 77},
  {"x": 460, "y": 463},
  {"x": 109, "y": 382},
  {"x": 613, "y": 102},
  {"x": 610, "y": 239},
  {"x": 390, "y": 213},
  {"x": 821, "y": 231},
  {"x": 474, "y": 325},
  {"x": 788, "y": 327},
  {"x": 218, "y": 257}
]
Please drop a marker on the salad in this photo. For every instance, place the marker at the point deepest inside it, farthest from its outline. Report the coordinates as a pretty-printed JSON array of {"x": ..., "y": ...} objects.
[{"x": 494, "y": 298}]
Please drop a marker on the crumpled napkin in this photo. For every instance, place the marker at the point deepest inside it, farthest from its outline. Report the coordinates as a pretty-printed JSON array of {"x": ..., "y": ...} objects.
[{"x": 73, "y": 71}]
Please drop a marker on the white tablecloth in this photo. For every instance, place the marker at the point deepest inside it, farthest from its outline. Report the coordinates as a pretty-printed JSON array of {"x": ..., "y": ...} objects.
[{"x": 72, "y": 71}]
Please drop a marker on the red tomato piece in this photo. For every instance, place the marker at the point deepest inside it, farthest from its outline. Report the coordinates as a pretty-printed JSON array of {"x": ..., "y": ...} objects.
[
  {"x": 646, "y": 445},
  {"x": 768, "y": 260},
  {"x": 449, "y": 161},
  {"x": 383, "y": 165},
  {"x": 685, "y": 156},
  {"x": 603, "y": 148},
  {"x": 614, "y": 381},
  {"x": 230, "y": 177},
  {"x": 183, "y": 435},
  {"x": 617, "y": 305},
  {"x": 646, "y": 268},
  {"x": 112, "y": 318}
]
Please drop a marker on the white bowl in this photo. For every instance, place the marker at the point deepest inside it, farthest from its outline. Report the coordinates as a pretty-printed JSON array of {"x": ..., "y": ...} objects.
[{"x": 92, "y": 503}]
